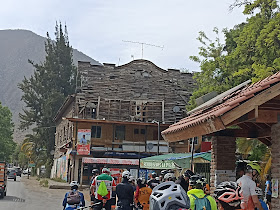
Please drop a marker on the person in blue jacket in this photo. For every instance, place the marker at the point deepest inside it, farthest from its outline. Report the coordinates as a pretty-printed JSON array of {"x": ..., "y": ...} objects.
[{"x": 73, "y": 199}]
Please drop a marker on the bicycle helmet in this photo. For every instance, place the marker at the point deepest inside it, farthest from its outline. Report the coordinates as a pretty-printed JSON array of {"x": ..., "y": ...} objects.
[
  {"x": 106, "y": 170},
  {"x": 228, "y": 194},
  {"x": 167, "y": 195},
  {"x": 131, "y": 179},
  {"x": 259, "y": 191},
  {"x": 74, "y": 185},
  {"x": 168, "y": 176},
  {"x": 197, "y": 181},
  {"x": 253, "y": 166},
  {"x": 154, "y": 175},
  {"x": 163, "y": 172},
  {"x": 141, "y": 181},
  {"x": 126, "y": 174},
  {"x": 188, "y": 173},
  {"x": 95, "y": 171}
]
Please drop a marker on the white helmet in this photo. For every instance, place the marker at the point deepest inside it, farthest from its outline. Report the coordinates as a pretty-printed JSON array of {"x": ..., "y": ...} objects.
[
  {"x": 126, "y": 174},
  {"x": 74, "y": 183},
  {"x": 168, "y": 176},
  {"x": 106, "y": 170},
  {"x": 259, "y": 191},
  {"x": 131, "y": 179},
  {"x": 167, "y": 195}
]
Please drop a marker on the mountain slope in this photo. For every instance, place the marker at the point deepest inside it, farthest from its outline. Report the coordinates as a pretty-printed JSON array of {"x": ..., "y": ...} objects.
[{"x": 16, "y": 47}]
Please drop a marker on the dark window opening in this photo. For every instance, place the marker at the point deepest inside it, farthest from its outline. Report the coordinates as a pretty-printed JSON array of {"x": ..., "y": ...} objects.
[
  {"x": 96, "y": 132},
  {"x": 120, "y": 132},
  {"x": 136, "y": 131},
  {"x": 143, "y": 131}
]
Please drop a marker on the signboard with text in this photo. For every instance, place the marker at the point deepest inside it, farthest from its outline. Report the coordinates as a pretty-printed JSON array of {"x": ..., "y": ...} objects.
[{"x": 83, "y": 143}]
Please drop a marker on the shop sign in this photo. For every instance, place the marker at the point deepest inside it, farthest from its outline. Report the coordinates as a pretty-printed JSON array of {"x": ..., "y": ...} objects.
[
  {"x": 112, "y": 161},
  {"x": 157, "y": 164},
  {"x": 83, "y": 144}
]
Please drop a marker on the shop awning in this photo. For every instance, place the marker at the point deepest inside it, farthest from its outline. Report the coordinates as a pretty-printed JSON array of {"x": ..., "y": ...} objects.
[
  {"x": 113, "y": 161},
  {"x": 172, "y": 160}
]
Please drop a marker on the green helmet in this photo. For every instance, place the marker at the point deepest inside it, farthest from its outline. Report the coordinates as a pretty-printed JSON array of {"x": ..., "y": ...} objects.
[{"x": 254, "y": 166}]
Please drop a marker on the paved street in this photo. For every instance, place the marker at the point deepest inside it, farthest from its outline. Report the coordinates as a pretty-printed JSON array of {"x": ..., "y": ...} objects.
[{"x": 27, "y": 194}]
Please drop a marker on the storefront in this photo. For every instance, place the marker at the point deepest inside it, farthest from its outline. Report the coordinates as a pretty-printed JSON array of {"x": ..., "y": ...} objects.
[{"x": 116, "y": 166}]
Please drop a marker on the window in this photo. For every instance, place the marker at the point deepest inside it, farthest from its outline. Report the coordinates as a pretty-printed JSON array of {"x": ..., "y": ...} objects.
[
  {"x": 143, "y": 131},
  {"x": 120, "y": 132},
  {"x": 136, "y": 131},
  {"x": 195, "y": 139},
  {"x": 96, "y": 132}
]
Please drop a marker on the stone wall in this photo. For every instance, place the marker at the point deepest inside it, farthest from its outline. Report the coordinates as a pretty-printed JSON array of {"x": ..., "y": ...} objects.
[
  {"x": 223, "y": 160},
  {"x": 275, "y": 164},
  {"x": 121, "y": 90}
]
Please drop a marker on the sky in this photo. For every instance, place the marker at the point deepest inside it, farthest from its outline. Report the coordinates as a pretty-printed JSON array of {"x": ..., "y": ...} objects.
[{"x": 98, "y": 28}]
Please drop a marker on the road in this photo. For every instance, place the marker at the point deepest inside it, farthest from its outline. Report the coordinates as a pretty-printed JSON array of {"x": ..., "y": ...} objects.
[{"x": 27, "y": 194}]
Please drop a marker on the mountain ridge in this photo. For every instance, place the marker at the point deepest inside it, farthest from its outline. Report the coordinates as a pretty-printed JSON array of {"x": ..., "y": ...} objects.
[{"x": 17, "y": 46}]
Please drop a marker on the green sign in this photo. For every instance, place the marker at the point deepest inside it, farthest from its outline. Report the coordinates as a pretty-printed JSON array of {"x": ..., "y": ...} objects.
[
  {"x": 157, "y": 164},
  {"x": 30, "y": 165}
]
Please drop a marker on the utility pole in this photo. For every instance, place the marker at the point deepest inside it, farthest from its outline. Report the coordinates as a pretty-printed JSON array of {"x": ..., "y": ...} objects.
[{"x": 142, "y": 44}]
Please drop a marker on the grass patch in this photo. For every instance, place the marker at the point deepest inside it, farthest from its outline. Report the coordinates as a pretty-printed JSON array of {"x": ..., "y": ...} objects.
[
  {"x": 44, "y": 183},
  {"x": 38, "y": 178},
  {"x": 58, "y": 180}
]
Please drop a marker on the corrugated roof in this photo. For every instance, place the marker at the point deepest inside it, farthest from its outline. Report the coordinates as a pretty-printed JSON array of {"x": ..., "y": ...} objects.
[{"x": 228, "y": 103}]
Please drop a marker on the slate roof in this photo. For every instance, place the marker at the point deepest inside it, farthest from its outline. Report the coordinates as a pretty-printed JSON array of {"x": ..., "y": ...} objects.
[{"x": 226, "y": 104}]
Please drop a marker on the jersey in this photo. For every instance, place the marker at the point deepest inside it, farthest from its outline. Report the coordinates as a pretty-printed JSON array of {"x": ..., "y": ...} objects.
[
  {"x": 248, "y": 187},
  {"x": 144, "y": 195},
  {"x": 110, "y": 183}
]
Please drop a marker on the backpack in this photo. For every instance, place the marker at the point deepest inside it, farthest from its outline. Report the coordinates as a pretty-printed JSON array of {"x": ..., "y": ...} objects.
[
  {"x": 102, "y": 189},
  {"x": 201, "y": 203},
  {"x": 73, "y": 197}
]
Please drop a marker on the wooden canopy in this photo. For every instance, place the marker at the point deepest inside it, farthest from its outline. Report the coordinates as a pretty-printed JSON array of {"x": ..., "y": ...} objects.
[{"x": 249, "y": 111}]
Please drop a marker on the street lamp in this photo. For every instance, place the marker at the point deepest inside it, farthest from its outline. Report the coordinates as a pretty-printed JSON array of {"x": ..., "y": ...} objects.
[{"x": 158, "y": 123}]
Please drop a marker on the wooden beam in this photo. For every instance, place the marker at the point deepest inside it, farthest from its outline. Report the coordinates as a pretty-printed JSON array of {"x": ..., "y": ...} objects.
[
  {"x": 250, "y": 105},
  {"x": 210, "y": 126},
  {"x": 246, "y": 133}
]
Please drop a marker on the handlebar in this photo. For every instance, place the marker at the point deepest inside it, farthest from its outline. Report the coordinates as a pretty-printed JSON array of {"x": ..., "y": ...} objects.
[{"x": 90, "y": 206}]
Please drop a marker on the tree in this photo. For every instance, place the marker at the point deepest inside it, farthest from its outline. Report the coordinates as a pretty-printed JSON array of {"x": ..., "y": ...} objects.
[
  {"x": 45, "y": 91},
  {"x": 6, "y": 133},
  {"x": 251, "y": 51}
]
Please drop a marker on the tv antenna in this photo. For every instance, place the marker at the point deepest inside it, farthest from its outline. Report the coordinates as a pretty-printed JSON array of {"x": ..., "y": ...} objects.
[{"x": 142, "y": 43}]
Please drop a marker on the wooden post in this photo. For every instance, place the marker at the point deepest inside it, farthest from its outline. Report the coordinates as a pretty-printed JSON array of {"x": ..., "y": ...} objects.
[
  {"x": 162, "y": 111},
  {"x": 98, "y": 106},
  {"x": 81, "y": 178}
]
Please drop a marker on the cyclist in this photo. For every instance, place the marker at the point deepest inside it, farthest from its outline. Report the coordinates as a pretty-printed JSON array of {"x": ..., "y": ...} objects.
[
  {"x": 125, "y": 193},
  {"x": 104, "y": 200},
  {"x": 142, "y": 194},
  {"x": 74, "y": 198},
  {"x": 153, "y": 181},
  {"x": 184, "y": 180},
  {"x": 260, "y": 194},
  {"x": 95, "y": 173},
  {"x": 268, "y": 191},
  {"x": 228, "y": 196},
  {"x": 248, "y": 187},
  {"x": 198, "y": 199}
]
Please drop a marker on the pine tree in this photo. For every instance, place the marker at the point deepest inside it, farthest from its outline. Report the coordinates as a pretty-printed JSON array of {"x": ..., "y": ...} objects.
[
  {"x": 45, "y": 91},
  {"x": 6, "y": 133}
]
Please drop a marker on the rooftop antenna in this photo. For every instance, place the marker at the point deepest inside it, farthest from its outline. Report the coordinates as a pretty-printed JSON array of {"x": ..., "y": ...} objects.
[{"x": 142, "y": 43}]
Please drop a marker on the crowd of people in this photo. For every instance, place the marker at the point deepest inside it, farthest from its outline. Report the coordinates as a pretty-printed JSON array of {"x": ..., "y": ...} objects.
[{"x": 165, "y": 192}]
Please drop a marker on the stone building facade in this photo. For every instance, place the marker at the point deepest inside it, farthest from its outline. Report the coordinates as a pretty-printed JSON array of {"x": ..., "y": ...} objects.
[{"x": 125, "y": 107}]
